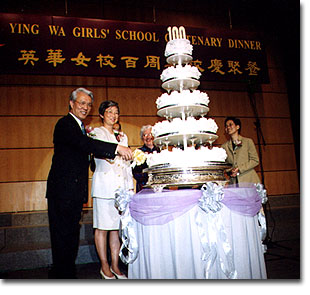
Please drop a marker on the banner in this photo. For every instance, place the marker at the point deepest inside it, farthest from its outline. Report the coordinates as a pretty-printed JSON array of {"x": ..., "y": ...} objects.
[{"x": 53, "y": 45}]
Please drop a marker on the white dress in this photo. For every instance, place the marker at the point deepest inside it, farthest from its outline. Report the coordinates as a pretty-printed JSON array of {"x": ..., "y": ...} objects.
[{"x": 108, "y": 177}]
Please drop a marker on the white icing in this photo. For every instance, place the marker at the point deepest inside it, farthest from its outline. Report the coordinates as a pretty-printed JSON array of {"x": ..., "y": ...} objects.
[
  {"x": 188, "y": 126},
  {"x": 186, "y": 97},
  {"x": 189, "y": 157},
  {"x": 180, "y": 72},
  {"x": 178, "y": 46}
]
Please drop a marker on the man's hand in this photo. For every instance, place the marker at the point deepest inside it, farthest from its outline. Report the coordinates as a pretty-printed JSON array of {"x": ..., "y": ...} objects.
[{"x": 125, "y": 152}]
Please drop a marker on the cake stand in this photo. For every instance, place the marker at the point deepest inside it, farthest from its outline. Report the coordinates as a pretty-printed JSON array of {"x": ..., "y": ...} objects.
[
  {"x": 180, "y": 84},
  {"x": 164, "y": 175},
  {"x": 175, "y": 59},
  {"x": 176, "y": 111},
  {"x": 180, "y": 139}
]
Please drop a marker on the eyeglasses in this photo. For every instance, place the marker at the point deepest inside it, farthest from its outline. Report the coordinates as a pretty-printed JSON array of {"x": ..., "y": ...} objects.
[
  {"x": 84, "y": 104},
  {"x": 110, "y": 112},
  {"x": 147, "y": 134}
]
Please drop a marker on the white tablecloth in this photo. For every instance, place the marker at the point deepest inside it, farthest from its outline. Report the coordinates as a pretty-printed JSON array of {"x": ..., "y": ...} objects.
[{"x": 174, "y": 250}]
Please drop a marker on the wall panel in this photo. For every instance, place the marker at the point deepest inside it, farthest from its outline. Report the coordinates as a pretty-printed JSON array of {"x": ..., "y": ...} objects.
[
  {"x": 278, "y": 157},
  {"x": 34, "y": 100},
  {"x": 42, "y": 100},
  {"x": 25, "y": 164},
  {"x": 282, "y": 183},
  {"x": 135, "y": 102},
  {"x": 27, "y": 132},
  {"x": 236, "y": 103},
  {"x": 277, "y": 81},
  {"x": 229, "y": 103},
  {"x": 23, "y": 196},
  {"x": 274, "y": 105}
]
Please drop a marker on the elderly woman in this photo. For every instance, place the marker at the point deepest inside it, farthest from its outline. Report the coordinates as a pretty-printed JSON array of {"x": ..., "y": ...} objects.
[
  {"x": 148, "y": 147},
  {"x": 241, "y": 153},
  {"x": 108, "y": 177}
]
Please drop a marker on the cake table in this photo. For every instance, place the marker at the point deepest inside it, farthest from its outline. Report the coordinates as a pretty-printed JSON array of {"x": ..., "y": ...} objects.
[{"x": 212, "y": 233}]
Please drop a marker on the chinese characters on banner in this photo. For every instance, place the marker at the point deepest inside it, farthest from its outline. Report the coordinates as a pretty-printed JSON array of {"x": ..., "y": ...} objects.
[{"x": 74, "y": 46}]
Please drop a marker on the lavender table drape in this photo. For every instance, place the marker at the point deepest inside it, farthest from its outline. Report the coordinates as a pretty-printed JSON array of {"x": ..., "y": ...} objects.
[{"x": 150, "y": 208}]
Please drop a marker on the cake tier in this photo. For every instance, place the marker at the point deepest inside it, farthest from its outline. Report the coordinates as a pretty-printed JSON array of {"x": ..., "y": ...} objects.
[
  {"x": 177, "y": 139},
  {"x": 178, "y": 46},
  {"x": 186, "y": 158},
  {"x": 180, "y": 72},
  {"x": 188, "y": 126},
  {"x": 177, "y": 111},
  {"x": 181, "y": 84},
  {"x": 182, "y": 98}
]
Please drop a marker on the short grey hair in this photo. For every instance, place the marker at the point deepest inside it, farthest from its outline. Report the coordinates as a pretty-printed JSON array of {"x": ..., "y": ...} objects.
[
  {"x": 74, "y": 93},
  {"x": 143, "y": 128}
]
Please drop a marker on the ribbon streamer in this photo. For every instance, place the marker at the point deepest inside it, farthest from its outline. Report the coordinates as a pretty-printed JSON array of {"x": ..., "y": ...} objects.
[
  {"x": 261, "y": 192},
  {"x": 261, "y": 214},
  {"x": 127, "y": 232},
  {"x": 212, "y": 233}
]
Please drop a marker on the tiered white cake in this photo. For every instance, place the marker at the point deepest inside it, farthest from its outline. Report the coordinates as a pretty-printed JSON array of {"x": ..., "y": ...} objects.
[{"x": 191, "y": 160}]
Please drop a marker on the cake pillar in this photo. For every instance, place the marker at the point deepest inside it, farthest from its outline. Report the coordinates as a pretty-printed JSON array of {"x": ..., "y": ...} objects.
[{"x": 184, "y": 135}]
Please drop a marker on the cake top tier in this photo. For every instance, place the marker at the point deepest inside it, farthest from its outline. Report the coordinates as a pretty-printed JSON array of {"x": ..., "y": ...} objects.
[
  {"x": 178, "y": 46},
  {"x": 178, "y": 49}
]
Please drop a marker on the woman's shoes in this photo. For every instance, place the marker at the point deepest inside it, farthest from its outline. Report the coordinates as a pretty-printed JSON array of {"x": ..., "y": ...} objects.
[
  {"x": 106, "y": 277},
  {"x": 120, "y": 277},
  {"x": 116, "y": 276}
]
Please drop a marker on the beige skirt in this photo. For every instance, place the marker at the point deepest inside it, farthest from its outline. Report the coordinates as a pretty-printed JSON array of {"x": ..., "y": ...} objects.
[{"x": 105, "y": 215}]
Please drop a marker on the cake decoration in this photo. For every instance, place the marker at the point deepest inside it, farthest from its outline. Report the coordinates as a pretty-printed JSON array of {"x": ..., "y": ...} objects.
[
  {"x": 186, "y": 137},
  {"x": 180, "y": 72},
  {"x": 178, "y": 46},
  {"x": 188, "y": 126},
  {"x": 185, "y": 98}
]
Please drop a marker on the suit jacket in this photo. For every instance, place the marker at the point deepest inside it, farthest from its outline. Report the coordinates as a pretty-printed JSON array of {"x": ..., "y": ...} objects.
[
  {"x": 68, "y": 176},
  {"x": 244, "y": 157}
]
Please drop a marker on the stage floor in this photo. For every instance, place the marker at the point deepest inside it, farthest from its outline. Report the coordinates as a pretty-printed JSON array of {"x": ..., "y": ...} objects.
[{"x": 282, "y": 262}]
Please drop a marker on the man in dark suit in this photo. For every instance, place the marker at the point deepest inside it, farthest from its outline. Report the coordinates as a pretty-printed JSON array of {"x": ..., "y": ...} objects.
[{"x": 67, "y": 184}]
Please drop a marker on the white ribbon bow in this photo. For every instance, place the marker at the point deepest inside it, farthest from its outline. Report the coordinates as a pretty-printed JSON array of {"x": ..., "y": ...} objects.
[
  {"x": 212, "y": 233},
  {"x": 127, "y": 232}
]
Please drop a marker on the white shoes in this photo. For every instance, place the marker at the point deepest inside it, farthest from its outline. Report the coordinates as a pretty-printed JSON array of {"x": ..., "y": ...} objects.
[
  {"x": 120, "y": 277},
  {"x": 116, "y": 276},
  {"x": 106, "y": 277}
]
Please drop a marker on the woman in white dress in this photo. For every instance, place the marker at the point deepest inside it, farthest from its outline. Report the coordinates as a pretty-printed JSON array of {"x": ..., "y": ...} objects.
[{"x": 109, "y": 175}]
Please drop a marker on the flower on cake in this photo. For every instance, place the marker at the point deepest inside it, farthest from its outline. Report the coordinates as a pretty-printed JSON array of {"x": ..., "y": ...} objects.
[{"x": 139, "y": 158}]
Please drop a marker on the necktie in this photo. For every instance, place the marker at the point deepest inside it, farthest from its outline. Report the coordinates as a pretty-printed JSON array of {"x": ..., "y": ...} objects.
[{"x": 83, "y": 129}]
